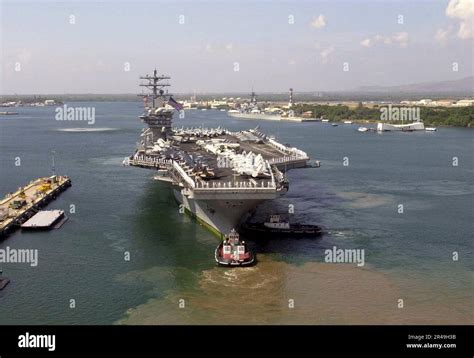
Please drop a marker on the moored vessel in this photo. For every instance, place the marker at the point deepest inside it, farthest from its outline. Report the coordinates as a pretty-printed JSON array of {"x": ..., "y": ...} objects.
[
  {"x": 8, "y": 113},
  {"x": 251, "y": 110},
  {"x": 409, "y": 127}
]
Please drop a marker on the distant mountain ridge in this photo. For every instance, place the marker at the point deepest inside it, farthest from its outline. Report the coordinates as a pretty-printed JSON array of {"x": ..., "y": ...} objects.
[{"x": 453, "y": 86}]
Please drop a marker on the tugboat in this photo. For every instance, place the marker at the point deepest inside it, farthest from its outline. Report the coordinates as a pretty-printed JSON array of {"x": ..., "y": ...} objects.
[
  {"x": 234, "y": 252},
  {"x": 278, "y": 227},
  {"x": 3, "y": 281}
]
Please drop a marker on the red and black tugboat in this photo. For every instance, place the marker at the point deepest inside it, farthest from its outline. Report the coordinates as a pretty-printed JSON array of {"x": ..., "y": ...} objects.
[
  {"x": 234, "y": 252},
  {"x": 276, "y": 227}
]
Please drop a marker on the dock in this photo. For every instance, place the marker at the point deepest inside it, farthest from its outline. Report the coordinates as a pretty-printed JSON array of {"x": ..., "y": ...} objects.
[
  {"x": 44, "y": 220},
  {"x": 16, "y": 208}
]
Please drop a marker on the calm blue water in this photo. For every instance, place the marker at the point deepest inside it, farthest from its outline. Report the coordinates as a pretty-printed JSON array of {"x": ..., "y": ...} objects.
[{"x": 122, "y": 209}]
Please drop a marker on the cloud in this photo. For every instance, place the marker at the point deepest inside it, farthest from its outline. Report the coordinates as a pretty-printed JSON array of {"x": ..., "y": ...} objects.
[
  {"x": 441, "y": 36},
  {"x": 217, "y": 47},
  {"x": 384, "y": 39},
  {"x": 366, "y": 43},
  {"x": 24, "y": 56},
  {"x": 465, "y": 30},
  {"x": 462, "y": 10},
  {"x": 325, "y": 53},
  {"x": 398, "y": 38},
  {"x": 401, "y": 38},
  {"x": 319, "y": 22}
]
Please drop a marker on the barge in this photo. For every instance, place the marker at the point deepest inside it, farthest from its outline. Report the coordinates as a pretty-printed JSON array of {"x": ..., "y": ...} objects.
[{"x": 44, "y": 220}]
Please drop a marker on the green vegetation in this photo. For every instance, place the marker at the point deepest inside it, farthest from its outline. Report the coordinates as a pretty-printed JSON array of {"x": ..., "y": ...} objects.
[
  {"x": 431, "y": 116},
  {"x": 460, "y": 116}
]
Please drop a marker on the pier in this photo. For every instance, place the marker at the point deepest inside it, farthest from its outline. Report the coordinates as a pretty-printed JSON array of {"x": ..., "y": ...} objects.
[{"x": 18, "y": 207}]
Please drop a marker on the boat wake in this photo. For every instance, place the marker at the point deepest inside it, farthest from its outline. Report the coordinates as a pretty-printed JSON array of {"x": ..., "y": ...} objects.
[
  {"x": 113, "y": 161},
  {"x": 86, "y": 130},
  {"x": 365, "y": 200},
  {"x": 322, "y": 293}
]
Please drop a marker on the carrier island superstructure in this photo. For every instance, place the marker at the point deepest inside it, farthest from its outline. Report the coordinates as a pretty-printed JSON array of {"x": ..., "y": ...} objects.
[{"x": 218, "y": 176}]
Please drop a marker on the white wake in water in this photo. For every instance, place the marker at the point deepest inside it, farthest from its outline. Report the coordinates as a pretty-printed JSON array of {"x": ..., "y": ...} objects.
[{"x": 80, "y": 130}]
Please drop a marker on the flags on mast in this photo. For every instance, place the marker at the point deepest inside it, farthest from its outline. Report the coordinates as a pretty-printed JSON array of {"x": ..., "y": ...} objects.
[{"x": 174, "y": 104}]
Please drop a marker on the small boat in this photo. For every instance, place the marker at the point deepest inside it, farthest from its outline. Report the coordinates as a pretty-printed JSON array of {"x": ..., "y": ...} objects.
[
  {"x": 325, "y": 120},
  {"x": 430, "y": 129},
  {"x": 313, "y": 164},
  {"x": 334, "y": 124},
  {"x": 278, "y": 227},
  {"x": 3, "y": 281},
  {"x": 347, "y": 122},
  {"x": 234, "y": 252},
  {"x": 362, "y": 129}
]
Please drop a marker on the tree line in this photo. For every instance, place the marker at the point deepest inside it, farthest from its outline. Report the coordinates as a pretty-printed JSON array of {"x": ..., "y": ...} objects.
[{"x": 442, "y": 116}]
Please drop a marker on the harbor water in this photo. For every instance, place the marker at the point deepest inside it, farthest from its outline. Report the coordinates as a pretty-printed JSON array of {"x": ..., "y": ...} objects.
[{"x": 128, "y": 256}]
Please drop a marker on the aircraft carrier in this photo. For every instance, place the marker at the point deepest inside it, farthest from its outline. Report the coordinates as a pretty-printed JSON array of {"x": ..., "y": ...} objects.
[{"x": 217, "y": 176}]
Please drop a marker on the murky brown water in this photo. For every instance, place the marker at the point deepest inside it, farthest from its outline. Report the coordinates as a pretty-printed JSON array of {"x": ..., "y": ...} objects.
[{"x": 322, "y": 294}]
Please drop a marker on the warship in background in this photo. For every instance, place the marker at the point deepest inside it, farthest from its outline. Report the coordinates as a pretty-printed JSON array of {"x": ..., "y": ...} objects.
[
  {"x": 251, "y": 110},
  {"x": 217, "y": 176}
]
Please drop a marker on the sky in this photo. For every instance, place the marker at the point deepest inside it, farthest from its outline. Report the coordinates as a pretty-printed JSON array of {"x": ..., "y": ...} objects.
[{"x": 57, "y": 47}]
